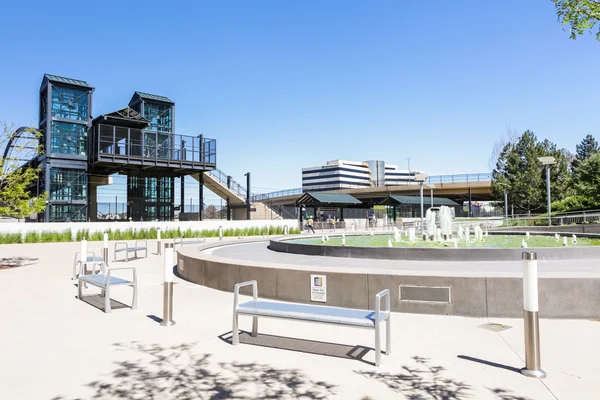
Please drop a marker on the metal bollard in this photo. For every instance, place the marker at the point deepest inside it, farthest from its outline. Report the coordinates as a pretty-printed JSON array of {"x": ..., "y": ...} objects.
[
  {"x": 220, "y": 233},
  {"x": 158, "y": 242},
  {"x": 533, "y": 366},
  {"x": 168, "y": 287},
  {"x": 105, "y": 249}
]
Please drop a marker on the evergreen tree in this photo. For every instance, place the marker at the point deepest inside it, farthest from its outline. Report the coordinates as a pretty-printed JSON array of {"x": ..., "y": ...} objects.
[
  {"x": 519, "y": 169},
  {"x": 589, "y": 178},
  {"x": 584, "y": 150}
]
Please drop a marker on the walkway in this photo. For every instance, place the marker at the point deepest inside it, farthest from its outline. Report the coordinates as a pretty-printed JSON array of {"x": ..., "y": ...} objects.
[{"x": 57, "y": 347}]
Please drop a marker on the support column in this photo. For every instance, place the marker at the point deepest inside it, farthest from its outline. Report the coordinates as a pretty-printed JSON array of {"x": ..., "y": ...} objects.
[
  {"x": 228, "y": 210},
  {"x": 182, "y": 194},
  {"x": 201, "y": 197},
  {"x": 470, "y": 209},
  {"x": 248, "y": 195}
]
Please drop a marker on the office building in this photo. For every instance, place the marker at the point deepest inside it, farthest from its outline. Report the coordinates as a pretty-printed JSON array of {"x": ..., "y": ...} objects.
[{"x": 342, "y": 174}]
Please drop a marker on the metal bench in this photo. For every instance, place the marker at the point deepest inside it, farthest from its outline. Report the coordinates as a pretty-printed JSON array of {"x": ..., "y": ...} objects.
[
  {"x": 105, "y": 281},
  {"x": 312, "y": 313},
  {"x": 127, "y": 249},
  {"x": 184, "y": 241},
  {"x": 92, "y": 260}
]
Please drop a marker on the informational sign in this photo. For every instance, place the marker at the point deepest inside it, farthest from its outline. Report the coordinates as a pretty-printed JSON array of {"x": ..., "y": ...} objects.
[{"x": 318, "y": 288}]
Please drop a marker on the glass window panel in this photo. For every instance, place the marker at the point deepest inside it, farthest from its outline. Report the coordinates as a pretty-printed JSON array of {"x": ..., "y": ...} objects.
[
  {"x": 67, "y": 184},
  {"x": 160, "y": 117},
  {"x": 67, "y": 212},
  {"x": 69, "y": 103},
  {"x": 67, "y": 138}
]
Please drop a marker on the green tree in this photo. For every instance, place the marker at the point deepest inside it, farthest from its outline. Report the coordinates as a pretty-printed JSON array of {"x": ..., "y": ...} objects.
[
  {"x": 17, "y": 176},
  {"x": 517, "y": 167},
  {"x": 580, "y": 15},
  {"x": 584, "y": 150},
  {"x": 519, "y": 170},
  {"x": 589, "y": 178}
]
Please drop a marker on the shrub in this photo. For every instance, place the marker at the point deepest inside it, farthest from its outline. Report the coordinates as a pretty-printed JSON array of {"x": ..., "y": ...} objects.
[{"x": 10, "y": 238}]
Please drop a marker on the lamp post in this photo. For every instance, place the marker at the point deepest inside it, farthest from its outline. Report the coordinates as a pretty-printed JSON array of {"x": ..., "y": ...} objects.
[
  {"x": 548, "y": 161},
  {"x": 421, "y": 178},
  {"x": 504, "y": 185},
  {"x": 408, "y": 159}
]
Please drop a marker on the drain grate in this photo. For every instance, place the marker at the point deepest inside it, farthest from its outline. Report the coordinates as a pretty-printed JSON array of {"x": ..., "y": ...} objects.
[{"x": 490, "y": 326}]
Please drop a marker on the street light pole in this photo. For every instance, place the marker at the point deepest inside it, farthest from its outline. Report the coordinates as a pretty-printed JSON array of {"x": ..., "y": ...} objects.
[
  {"x": 421, "y": 179},
  {"x": 548, "y": 161},
  {"x": 506, "y": 206},
  {"x": 548, "y": 193}
]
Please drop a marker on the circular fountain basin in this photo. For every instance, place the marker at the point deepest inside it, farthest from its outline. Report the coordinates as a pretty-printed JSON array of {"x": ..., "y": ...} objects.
[{"x": 495, "y": 247}]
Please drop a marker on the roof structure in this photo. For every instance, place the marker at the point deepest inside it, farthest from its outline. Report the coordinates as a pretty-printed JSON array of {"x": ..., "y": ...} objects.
[
  {"x": 331, "y": 199},
  {"x": 68, "y": 81},
  {"x": 148, "y": 96},
  {"x": 126, "y": 116},
  {"x": 395, "y": 200}
]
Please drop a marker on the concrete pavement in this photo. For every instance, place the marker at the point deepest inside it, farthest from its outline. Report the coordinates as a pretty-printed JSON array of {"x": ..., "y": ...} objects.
[{"x": 54, "y": 346}]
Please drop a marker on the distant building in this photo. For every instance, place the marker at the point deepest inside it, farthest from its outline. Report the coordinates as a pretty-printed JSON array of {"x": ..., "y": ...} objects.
[{"x": 341, "y": 174}]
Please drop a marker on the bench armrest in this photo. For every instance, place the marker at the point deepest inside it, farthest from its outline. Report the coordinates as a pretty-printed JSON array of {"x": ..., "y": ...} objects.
[
  {"x": 109, "y": 270},
  {"x": 384, "y": 293},
  {"x": 145, "y": 243},
  {"x": 236, "y": 292},
  {"x": 117, "y": 244}
]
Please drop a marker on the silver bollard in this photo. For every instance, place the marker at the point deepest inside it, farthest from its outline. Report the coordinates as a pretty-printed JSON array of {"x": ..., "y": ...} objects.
[
  {"x": 158, "y": 242},
  {"x": 533, "y": 366},
  {"x": 220, "y": 233},
  {"x": 168, "y": 287},
  {"x": 105, "y": 249}
]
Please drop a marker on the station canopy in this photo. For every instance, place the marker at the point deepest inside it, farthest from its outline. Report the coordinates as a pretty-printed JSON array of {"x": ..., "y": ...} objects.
[
  {"x": 312, "y": 199},
  {"x": 395, "y": 200}
]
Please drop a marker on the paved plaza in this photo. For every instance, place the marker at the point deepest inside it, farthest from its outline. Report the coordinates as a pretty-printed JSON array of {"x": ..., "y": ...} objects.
[{"x": 55, "y": 346}]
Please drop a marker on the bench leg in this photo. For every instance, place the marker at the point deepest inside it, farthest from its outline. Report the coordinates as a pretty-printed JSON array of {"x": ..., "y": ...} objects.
[
  {"x": 107, "y": 299},
  {"x": 377, "y": 345},
  {"x": 79, "y": 290},
  {"x": 235, "y": 337},
  {"x": 254, "y": 326},
  {"x": 388, "y": 335},
  {"x": 75, "y": 265},
  {"x": 135, "y": 296}
]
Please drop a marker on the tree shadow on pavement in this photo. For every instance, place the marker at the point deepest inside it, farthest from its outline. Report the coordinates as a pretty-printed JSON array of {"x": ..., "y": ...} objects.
[
  {"x": 504, "y": 394},
  {"x": 425, "y": 381},
  {"x": 13, "y": 262},
  {"x": 177, "y": 372}
]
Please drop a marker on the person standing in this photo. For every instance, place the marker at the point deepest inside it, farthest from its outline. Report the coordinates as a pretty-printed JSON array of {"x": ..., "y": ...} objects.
[{"x": 309, "y": 226}]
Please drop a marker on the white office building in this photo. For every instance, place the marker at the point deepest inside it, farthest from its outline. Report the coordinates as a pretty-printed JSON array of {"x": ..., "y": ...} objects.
[{"x": 341, "y": 174}]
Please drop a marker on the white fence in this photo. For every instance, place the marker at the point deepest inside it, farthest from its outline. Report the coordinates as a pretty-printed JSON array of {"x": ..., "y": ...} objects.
[{"x": 23, "y": 227}]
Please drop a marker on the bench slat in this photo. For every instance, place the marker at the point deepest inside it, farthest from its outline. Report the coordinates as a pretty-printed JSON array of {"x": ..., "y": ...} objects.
[
  {"x": 100, "y": 280},
  {"x": 131, "y": 249},
  {"x": 343, "y": 316}
]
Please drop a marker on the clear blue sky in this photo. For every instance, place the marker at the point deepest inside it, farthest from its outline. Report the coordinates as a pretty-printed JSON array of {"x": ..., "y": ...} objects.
[{"x": 283, "y": 85}]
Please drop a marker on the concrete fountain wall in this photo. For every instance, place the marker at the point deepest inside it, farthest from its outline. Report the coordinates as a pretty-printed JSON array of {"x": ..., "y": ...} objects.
[
  {"x": 287, "y": 245},
  {"x": 473, "y": 295}
]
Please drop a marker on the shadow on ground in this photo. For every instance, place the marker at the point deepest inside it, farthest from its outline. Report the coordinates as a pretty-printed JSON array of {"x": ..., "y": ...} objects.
[
  {"x": 356, "y": 352},
  {"x": 13, "y": 262},
  {"x": 425, "y": 381},
  {"x": 176, "y": 372}
]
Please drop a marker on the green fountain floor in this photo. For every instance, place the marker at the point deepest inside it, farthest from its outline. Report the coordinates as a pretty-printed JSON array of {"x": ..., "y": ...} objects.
[{"x": 492, "y": 241}]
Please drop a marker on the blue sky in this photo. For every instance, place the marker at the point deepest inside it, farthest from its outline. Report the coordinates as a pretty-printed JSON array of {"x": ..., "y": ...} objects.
[{"x": 283, "y": 85}]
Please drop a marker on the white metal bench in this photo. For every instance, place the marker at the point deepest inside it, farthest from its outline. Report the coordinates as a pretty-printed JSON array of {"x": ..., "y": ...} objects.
[
  {"x": 312, "y": 313},
  {"x": 128, "y": 249},
  {"x": 185, "y": 241},
  {"x": 105, "y": 281},
  {"x": 92, "y": 260}
]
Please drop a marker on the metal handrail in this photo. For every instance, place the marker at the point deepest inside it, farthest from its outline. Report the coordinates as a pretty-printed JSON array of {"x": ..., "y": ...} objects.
[{"x": 435, "y": 179}]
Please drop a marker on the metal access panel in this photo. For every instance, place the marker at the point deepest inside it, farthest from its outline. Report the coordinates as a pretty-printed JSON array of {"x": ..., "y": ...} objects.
[{"x": 428, "y": 294}]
